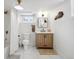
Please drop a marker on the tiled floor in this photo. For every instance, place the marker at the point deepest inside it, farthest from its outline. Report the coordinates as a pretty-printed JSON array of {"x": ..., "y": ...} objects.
[
  {"x": 33, "y": 53},
  {"x": 14, "y": 57},
  {"x": 47, "y": 52}
]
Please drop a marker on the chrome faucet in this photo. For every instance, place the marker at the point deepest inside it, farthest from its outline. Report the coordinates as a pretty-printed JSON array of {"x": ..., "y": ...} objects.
[{"x": 43, "y": 30}]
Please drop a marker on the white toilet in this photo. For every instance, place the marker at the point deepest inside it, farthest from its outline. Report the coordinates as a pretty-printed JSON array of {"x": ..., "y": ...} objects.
[{"x": 26, "y": 40}]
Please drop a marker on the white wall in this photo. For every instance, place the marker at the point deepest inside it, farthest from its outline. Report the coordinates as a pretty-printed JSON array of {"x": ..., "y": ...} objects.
[
  {"x": 7, "y": 26},
  {"x": 14, "y": 32},
  {"x": 64, "y": 32},
  {"x": 24, "y": 28},
  {"x": 72, "y": 7}
]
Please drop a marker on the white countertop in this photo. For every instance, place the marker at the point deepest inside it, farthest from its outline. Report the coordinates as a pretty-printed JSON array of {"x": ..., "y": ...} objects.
[{"x": 43, "y": 32}]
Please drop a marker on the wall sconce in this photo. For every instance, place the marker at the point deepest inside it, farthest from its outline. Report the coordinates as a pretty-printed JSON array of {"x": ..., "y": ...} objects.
[{"x": 43, "y": 14}]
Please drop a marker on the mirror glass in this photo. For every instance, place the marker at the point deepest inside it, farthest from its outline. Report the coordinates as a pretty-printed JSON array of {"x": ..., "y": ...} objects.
[{"x": 42, "y": 22}]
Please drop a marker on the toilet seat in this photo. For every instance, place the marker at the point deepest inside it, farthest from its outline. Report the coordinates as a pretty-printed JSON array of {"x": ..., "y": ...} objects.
[{"x": 25, "y": 42}]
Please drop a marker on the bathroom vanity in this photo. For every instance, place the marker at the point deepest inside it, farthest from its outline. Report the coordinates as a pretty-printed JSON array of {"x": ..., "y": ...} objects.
[{"x": 44, "y": 40}]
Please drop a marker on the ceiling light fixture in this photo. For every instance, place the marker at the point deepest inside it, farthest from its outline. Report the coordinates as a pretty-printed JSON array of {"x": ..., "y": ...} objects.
[{"x": 18, "y": 6}]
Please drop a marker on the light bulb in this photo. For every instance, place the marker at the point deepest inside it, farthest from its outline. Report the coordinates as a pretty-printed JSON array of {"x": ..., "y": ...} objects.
[
  {"x": 40, "y": 13},
  {"x": 45, "y": 13}
]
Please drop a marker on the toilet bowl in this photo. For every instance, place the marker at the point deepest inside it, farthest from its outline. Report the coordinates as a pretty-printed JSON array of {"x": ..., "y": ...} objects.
[
  {"x": 26, "y": 41},
  {"x": 26, "y": 44}
]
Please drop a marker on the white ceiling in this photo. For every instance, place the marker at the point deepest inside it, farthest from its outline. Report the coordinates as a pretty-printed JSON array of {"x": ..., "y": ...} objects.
[{"x": 33, "y": 5}]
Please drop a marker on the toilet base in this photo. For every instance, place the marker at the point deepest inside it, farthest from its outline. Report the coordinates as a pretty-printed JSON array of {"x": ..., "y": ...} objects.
[{"x": 26, "y": 47}]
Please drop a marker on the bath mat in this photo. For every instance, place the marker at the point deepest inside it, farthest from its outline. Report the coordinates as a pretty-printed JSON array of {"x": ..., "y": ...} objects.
[
  {"x": 47, "y": 52},
  {"x": 14, "y": 57}
]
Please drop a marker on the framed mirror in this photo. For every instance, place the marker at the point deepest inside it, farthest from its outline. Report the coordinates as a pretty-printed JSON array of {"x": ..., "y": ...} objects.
[{"x": 43, "y": 22}]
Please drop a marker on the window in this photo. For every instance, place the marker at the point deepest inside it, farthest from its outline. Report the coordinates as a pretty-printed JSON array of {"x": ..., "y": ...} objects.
[{"x": 27, "y": 18}]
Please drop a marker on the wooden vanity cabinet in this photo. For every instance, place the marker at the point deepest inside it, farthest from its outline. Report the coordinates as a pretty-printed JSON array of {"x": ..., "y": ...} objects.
[{"x": 44, "y": 40}]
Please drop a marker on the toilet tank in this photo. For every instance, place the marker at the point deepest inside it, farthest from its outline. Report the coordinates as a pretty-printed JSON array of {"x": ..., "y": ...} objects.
[{"x": 26, "y": 36}]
